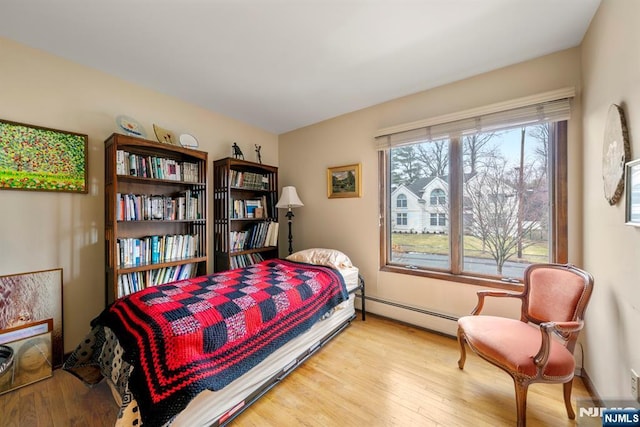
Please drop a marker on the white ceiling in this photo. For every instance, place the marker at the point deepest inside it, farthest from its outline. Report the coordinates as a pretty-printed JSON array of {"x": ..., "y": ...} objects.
[{"x": 284, "y": 64}]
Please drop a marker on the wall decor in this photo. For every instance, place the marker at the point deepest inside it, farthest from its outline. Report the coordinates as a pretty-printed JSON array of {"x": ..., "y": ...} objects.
[
  {"x": 130, "y": 126},
  {"x": 632, "y": 177},
  {"x": 28, "y": 298},
  {"x": 165, "y": 136},
  {"x": 30, "y": 347},
  {"x": 615, "y": 152},
  {"x": 188, "y": 140},
  {"x": 42, "y": 159},
  {"x": 344, "y": 181},
  {"x": 237, "y": 152}
]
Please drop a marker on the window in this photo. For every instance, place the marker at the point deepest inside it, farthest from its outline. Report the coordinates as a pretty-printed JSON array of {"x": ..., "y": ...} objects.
[
  {"x": 401, "y": 219},
  {"x": 496, "y": 186},
  {"x": 401, "y": 201},
  {"x": 438, "y": 219},
  {"x": 438, "y": 197}
]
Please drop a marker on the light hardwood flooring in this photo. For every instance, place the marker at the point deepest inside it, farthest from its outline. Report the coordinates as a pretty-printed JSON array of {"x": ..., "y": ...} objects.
[{"x": 376, "y": 373}]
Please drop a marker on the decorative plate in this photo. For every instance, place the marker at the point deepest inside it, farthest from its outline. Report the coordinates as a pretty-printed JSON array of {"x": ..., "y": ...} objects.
[
  {"x": 165, "y": 136},
  {"x": 615, "y": 152},
  {"x": 130, "y": 126},
  {"x": 189, "y": 141}
]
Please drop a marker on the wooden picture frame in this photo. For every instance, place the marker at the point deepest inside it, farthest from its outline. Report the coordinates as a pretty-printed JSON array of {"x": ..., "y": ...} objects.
[
  {"x": 344, "y": 181},
  {"x": 632, "y": 185},
  {"x": 42, "y": 159},
  {"x": 29, "y": 298},
  {"x": 31, "y": 348}
]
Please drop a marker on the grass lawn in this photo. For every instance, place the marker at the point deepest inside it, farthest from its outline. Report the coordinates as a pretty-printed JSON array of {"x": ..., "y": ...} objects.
[{"x": 439, "y": 244}]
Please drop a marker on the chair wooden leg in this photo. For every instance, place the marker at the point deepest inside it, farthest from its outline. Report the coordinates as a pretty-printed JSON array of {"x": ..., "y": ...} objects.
[
  {"x": 566, "y": 387},
  {"x": 521, "y": 401},
  {"x": 463, "y": 351}
]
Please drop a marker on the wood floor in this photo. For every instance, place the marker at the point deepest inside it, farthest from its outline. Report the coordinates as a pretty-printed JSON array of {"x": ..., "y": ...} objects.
[{"x": 376, "y": 373}]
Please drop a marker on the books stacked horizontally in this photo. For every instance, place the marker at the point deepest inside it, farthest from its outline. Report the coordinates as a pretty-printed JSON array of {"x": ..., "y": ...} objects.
[
  {"x": 133, "y": 252},
  {"x": 261, "y": 235}
]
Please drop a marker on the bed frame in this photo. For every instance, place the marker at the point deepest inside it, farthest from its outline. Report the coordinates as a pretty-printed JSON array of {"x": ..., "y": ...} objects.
[{"x": 240, "y": 407}]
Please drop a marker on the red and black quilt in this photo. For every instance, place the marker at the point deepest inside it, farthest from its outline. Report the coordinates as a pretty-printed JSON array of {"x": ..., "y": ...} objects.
[{"x": 184, "y": 337}]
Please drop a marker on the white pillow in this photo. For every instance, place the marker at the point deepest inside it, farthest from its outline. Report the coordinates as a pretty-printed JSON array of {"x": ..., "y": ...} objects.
[{"x": 321, "y": 256}]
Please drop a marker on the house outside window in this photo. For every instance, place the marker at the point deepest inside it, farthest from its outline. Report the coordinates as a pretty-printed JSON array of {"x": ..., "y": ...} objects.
[{"x": 495, "y": 196}]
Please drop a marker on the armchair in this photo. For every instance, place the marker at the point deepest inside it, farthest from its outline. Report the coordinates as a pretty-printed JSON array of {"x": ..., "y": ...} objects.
[{"x": 538, "y": 347}]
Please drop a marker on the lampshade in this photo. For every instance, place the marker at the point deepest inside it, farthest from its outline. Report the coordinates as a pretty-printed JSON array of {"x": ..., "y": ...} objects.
[{"x": 289, "y": 198}]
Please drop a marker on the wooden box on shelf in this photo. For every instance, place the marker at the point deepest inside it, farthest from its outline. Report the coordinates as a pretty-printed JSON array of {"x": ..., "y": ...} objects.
[
  {"x": 245, "y": 226},
  {"x": 155, "y": 214}
]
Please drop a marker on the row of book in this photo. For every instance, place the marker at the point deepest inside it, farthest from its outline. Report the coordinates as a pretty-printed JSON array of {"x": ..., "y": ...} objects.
[
  {"x": 248, "y": 208},
  {"x": 136, "y": 281},
  {"x": 245, "y": 260},
  {"x": 155, "y": 167},
  {"x": 261, "y": 235},
  {"x": 132, "y": 252},
  {"x": 186, "y": 205},
  {"x": 250, "y": 180}
]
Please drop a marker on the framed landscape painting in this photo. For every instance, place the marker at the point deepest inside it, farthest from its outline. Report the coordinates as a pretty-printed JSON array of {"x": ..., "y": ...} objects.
[
  {"x": 42, "y": 159},
  {"x": 344, "y": 181}
]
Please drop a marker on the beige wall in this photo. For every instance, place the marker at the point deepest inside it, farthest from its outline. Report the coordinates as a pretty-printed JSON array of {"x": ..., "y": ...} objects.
[
  {"x": 41, "y": 230},
  {"x": 611, "y": 75},
  {"x": 351, "y": 225}
]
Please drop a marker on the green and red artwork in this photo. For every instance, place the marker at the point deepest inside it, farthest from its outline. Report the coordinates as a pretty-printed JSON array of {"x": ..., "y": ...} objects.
[{"x": 42, "y": 159}]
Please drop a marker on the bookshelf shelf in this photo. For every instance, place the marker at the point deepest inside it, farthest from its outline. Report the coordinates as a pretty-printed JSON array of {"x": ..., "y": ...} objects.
[
  {"x": 245, "y": 217},
  {"x": 155, "y": 214}
]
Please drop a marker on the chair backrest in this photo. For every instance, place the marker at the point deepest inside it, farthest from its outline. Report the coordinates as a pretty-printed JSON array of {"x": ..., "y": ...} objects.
[{"x": 555, "y": 292}]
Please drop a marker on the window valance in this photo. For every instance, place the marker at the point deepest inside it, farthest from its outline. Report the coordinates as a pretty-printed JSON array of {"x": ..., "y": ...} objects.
[{"x": 548, "y": 106}]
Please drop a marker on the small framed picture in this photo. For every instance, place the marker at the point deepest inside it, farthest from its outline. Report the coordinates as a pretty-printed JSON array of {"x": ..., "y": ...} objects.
[
  {"x": 632, "y": 185},
  {"x": 25, "y": 354},
  {"x": 344, "y": 181}
]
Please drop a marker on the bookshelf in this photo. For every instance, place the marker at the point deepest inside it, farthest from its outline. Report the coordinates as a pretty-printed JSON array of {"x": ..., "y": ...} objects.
[
  {"x": 245, "y": 226},
  {"x": 155, "y": 214}
]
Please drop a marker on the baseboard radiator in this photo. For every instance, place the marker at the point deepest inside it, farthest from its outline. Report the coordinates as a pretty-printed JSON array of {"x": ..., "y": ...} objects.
[{"x": 416, "y": 309}]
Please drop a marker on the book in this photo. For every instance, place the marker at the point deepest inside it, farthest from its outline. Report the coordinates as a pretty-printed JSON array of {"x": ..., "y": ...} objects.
[
  {"x": 155, "y": 249},
  {"x": 121, "y": 166},
  {"x": 274, "y": 234}
]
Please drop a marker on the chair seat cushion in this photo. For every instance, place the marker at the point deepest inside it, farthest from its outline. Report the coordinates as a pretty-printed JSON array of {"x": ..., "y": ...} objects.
[{"x": 512, "y": 344}]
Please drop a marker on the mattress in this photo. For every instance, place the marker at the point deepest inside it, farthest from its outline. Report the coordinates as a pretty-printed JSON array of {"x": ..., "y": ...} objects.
[{"x": 209, "y": 407}]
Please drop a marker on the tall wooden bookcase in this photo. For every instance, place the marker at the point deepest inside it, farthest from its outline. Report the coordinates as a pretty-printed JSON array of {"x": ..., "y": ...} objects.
[
  {"x": 155, "y": 214},
  {"x": 245, "y": 226}
]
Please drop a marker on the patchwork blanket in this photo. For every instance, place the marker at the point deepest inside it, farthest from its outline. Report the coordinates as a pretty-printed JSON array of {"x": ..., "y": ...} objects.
[{"x": 184, "y": 337}]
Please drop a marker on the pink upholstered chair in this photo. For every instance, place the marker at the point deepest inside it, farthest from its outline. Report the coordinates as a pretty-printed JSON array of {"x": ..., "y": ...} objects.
[{"x": 538, "y": 347}]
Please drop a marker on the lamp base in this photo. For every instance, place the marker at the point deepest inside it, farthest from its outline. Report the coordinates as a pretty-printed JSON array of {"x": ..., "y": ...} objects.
[{"x": 289, "y": 218}]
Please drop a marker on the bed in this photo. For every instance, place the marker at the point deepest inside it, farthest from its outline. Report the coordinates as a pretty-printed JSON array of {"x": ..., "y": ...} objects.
[{"x": 206, "y": 374}]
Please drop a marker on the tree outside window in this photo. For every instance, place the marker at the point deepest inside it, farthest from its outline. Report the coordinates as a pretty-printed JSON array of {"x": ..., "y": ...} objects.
[{"x": 507, "y": 179}]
